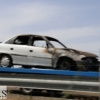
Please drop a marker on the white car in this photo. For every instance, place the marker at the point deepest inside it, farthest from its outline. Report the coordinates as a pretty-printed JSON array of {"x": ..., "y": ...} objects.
[{"x": 43, "y": 51}]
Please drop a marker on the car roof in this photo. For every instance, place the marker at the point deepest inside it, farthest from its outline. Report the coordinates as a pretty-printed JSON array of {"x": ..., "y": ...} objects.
[{"x": 37, "y": 35}]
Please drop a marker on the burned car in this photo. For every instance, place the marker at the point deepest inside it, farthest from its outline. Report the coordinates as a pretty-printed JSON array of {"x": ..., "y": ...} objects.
[{"x": 46, "y": 52}]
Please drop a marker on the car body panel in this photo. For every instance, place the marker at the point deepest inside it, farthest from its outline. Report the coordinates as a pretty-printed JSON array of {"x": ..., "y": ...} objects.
[
  {"x": 38, "y": 56},
  {"x": 18, "y": 54}
]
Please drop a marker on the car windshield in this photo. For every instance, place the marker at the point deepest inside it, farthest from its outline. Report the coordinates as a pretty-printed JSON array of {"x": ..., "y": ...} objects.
[{"x": 56, "y": 43}]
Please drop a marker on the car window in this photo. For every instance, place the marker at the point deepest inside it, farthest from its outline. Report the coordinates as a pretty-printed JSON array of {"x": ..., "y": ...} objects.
[
  {"x": 56, "y": 44},
  {"x": 21, "y": 40},
  {"x": 39, "y": 42},
  {"x": 10, "y": 41}
]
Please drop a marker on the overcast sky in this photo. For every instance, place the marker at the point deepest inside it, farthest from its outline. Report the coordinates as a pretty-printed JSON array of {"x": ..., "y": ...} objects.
[{"x": 76, "y": 23}]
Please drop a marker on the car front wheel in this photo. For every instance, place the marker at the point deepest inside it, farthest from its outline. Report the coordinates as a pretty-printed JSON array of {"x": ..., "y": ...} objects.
[
  {"x": 5, "y": 61},
  {"x": 66, "y": 64}
]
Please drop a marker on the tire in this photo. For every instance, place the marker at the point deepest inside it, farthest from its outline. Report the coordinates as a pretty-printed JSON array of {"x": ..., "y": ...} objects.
[
  {"x": 26, "y": 90},
  {"x": 5, "y": 61},
  {"x": 66, "y": 64}
]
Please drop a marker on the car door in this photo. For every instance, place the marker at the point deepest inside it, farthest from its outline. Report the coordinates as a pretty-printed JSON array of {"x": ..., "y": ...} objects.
[
  {"x": 17, "y": 49},
  {"x": 19, "y": 54},
  {"x": 38, "y": 54}
]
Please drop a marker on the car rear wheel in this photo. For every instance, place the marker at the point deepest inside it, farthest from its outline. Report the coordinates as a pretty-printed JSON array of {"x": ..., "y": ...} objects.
[{"x": 5, "y": 61}]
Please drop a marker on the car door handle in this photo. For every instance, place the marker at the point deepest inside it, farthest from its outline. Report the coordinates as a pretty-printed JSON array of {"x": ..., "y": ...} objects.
[
  {"x": 11, "y": 48},
  {"x": 31, "y": 50}
]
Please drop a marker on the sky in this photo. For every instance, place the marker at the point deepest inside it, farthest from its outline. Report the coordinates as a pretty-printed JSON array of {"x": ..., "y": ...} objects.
[{"x": 76, "y": 23}]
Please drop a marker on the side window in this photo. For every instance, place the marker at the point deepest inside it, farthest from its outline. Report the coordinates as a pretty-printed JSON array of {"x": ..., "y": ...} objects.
[
  {"x": 21, "y": 40},
  {"x": 10, "y": 41},
  {"x": 39, "y": 42}
]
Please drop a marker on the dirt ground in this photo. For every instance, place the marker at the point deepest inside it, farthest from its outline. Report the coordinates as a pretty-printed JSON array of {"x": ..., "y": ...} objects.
[{"x": 15, "y": 94}]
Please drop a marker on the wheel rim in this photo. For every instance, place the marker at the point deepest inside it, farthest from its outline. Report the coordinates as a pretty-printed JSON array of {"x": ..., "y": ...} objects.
[
  {"x": 5, "y": 61},
  {"x": 65, "y": 65},
  {"x": 27, "y": 90}
]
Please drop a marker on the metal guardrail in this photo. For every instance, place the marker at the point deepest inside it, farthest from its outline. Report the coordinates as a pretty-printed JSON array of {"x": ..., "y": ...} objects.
[
  {"x": 50, "y": 79},
  {"x": 50, "y": 72}
]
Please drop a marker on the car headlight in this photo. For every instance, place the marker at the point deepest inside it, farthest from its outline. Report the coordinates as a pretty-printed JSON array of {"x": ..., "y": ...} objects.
[{"x": 88, "y": 61}]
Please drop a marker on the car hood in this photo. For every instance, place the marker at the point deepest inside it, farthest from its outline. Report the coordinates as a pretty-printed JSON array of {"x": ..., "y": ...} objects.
[{"x": 87, "y": 54}]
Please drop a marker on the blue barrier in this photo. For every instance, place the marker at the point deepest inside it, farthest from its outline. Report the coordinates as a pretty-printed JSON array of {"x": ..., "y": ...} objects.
[{"x": 50, "y": 72}]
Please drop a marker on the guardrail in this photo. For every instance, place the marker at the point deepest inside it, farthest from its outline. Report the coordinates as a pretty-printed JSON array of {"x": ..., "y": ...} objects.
[
  {"x": 50, "y": 72},
  {"x": 50, "y": 79}
]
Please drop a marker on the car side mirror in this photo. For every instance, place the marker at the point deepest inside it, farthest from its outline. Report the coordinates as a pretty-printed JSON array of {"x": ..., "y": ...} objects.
[{"x": 51, "y": 50}]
